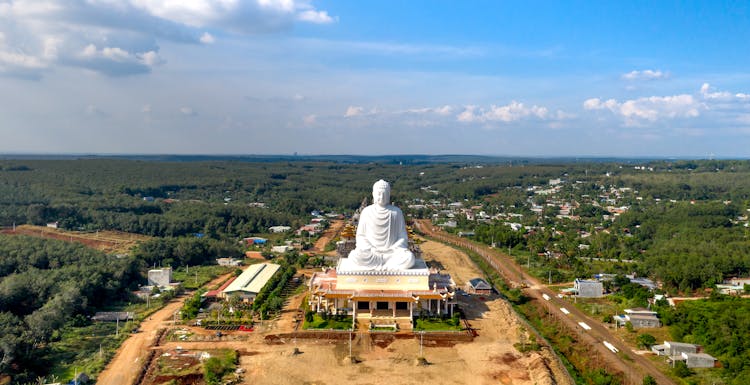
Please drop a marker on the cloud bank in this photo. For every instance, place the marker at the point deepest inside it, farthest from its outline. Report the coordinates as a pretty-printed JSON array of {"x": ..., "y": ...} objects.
[{"x": 119, "y": 38}]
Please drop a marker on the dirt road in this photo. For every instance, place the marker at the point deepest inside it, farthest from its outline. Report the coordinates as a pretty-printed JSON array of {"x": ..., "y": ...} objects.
[
  {"x": 130, "y": 358},
  {"x": 328, "y": 235},
  {"x": 634, "y": 366}
]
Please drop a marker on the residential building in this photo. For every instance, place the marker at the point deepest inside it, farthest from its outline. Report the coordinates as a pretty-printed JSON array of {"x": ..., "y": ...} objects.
[
  {"x": 672, "y": 348},
  {"x": 588, "y": 289},
  {"x": 698, "y": 360},
  {"x": 160, "y": 277}
]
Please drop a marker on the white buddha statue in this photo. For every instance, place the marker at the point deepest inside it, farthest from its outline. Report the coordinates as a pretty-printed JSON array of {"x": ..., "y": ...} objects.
[{"x": 382, "y": 241}]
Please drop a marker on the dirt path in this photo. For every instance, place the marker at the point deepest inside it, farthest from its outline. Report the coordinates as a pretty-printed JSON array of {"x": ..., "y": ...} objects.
[
  {"x": 127, "y": 363},
  {"x": 328, "y": 235},
  {"x": 131, "y": 356}
]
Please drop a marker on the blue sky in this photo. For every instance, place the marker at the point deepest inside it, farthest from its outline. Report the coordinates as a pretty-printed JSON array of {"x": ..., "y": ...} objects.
[{"x": 546, "y": 78}]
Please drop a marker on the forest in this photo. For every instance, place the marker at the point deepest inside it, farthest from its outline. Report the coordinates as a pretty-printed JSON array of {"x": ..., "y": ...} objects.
[
  {"x": 46, "y": 285},
  {"x": 685, "y": 223}
]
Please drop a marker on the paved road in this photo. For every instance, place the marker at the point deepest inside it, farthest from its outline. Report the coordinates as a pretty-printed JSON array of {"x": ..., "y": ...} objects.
[{"x": 635, "y": 367}]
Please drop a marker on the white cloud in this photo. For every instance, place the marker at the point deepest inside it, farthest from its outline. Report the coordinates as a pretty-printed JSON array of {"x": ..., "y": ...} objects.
[
  {"x": 317, "y": 17},
  {"x": 207, "y": 38},
  {"x": 120, "y": 37},
  {"x": 512, "y": 112},
  {"x": 441, "y": 111},
  {"x": 645, "y": 75},
  {"x": 187, "y": 111},
  {"x": 650, "y": 109},
  {"x": 352, "y": 111},
  {"x": 310, "y": 120},
  {"x": 722, "y": 96},
  {"x": 686, "y": 114},
  {"x": 92, "y": 110}
]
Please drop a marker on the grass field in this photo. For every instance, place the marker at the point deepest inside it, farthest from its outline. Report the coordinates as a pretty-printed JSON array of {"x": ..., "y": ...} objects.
[
  {"x": 319, "y": 323},
  {"x": 436, "y": 324},
  {"x": 195, "y": 277}
]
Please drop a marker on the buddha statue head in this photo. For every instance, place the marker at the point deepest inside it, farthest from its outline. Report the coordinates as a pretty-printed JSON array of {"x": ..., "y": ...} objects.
[{"x": 381, "y": 193}]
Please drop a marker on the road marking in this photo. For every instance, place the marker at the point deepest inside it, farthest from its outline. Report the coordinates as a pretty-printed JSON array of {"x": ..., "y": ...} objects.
[
  {"x": 584, "y": 326},
  {"x": 611, "y": 347},
  {"x": 564, "y": 310}
]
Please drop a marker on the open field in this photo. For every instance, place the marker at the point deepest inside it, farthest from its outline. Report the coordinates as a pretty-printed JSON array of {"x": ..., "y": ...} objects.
[{"x": 111, "y": 242}]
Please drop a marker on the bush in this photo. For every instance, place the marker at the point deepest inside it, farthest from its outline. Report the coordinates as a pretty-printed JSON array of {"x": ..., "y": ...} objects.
[
  {"x": 681, "y": 370},
  {"x": 216, "y": 367}
]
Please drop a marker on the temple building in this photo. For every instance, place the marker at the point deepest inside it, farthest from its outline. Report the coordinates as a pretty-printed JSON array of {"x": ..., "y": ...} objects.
[{"x": 384, "y": 282}]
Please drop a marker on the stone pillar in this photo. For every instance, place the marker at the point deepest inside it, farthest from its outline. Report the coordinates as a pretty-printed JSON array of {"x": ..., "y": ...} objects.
[{"x": 394, "y": 308}]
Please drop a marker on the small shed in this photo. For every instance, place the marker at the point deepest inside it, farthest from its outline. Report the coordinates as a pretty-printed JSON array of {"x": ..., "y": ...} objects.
[
  {"x": 478, "y": 286},
  {"x": 699, "y": 360}
]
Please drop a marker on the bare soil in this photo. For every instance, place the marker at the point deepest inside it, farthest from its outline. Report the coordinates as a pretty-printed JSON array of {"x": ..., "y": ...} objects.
[
  {"x": 329, "y": 234},
  {"x": 268, "y": 354},
  {"x": 115, "y": 242}
]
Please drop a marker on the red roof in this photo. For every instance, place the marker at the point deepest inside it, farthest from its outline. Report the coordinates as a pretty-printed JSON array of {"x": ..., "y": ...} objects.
[{"x": 214, "y": 293}]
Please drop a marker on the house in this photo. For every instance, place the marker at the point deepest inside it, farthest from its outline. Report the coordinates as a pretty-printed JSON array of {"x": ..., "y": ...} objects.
[
  {"x": 478, "y": 286},
  {"x": 248, "y": 284},
  {"x": 698, "y": 360},
  {"x": 738, "y": 281},
  {"x": 730, "y": 289},
  {"x": 671, "y": 348},
  {"x": 113, "y": 316},
  {"x": 279, "y": 229},
  {"x": 228, "y": 262},
  {"x": 282, "y": 249},
  {"x": 254, "y": 241},
  {"x": 451, "y": 224},
  {"x": 638, "y": 317},
  {"x": 588, "y": 289},
  {"x": 212, "y": 295},
  {"x": 643, "y": 321},
  {"x": 160, "y": 277}
]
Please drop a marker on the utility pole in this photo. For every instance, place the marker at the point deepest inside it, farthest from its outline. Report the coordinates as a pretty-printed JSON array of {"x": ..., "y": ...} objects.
[{"x": 421, "y": 343}]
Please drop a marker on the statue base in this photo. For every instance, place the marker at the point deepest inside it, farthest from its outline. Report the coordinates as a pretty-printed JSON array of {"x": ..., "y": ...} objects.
[{"x": 354, "y": 277}]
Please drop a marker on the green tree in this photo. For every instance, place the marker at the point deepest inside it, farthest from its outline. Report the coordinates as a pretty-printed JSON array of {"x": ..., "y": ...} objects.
[{"x": 645, "y": 340}]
